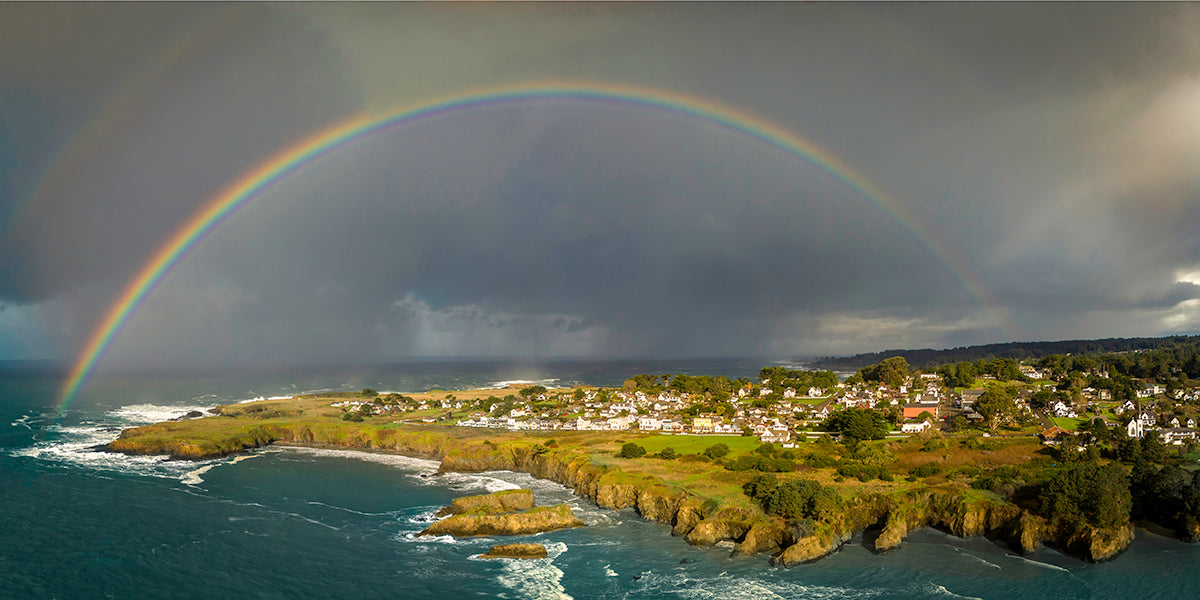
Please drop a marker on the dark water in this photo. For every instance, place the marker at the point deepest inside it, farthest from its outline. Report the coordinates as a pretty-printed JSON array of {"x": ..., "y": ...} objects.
[{"x": 295, "y": 523}]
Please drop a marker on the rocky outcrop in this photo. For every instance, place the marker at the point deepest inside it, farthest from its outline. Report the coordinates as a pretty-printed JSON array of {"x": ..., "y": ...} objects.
[
  {"x": 726, "y": 524},
  {"x": 516, "y": 551},
  {"x": 500, "y": 502},
  {"x": 770, "y": 535},
  {"x": 809, "y": 548},
  {"x": 537, "y": 520},
  {"x": 1189, "y": 529}
]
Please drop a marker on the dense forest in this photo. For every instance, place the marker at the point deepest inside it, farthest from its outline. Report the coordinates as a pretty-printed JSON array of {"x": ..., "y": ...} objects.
[{"x": 927, "y": 358}]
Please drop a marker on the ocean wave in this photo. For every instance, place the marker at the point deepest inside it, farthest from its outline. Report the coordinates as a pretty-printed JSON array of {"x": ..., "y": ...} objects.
[
  {"x": 723, "y": 587},
  {"x": 1041, "y": 564},
  {"x": 940, "y": 590},
  {"x": 144, "y": 414},
  {"x": 193, "y": 477},
  {"x": 537, "y": 579},
  {"x": 406, "y": 463},
  {"x": 968, "y": 554},
  {"x": 526, "y": 382}
]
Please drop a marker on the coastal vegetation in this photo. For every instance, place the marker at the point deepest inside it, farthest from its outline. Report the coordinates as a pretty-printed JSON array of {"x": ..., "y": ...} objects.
[{"x": 1005, "y": 473}]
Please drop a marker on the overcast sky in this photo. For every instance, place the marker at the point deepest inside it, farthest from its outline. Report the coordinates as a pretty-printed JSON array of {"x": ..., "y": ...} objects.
[{"x": 1051, "y": 151}]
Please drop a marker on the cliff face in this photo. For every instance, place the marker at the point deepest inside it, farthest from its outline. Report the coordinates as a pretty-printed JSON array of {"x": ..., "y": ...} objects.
[{"x": 536, "y": 520}]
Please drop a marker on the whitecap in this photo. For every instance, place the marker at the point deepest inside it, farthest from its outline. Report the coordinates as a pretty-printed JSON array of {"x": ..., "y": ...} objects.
[
  {"x": 537, "y": 579},
  {"x": 526, "y": 382},
  {"x": 407, "y": 463},
  {"x": 1041, "y": 564},
  {"x": 193, "y": 477},
  {"x": 941, "y": 590},
  {"x": 609, "y": 572}
]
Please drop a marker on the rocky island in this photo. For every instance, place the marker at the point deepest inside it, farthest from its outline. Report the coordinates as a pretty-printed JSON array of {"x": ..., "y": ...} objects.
[
  {"x": 516, "y": 551},
  {"x": 509, "y": 512}
]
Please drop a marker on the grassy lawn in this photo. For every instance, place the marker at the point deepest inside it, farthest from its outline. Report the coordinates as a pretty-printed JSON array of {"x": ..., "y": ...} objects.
[
  {"x": 809, "y": 401},
  {"x": 695, "y": 444},
  {"x": 1068, "y": 423}
]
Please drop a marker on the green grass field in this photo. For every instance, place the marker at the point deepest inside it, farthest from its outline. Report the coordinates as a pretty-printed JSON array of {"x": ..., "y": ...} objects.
[
  {"x": 1068, "y": 423},
  {"x": 695, "y": 444}
]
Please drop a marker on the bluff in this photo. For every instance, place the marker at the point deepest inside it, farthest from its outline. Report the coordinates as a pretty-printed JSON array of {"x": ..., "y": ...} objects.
[{"x": 700, "y": 520}]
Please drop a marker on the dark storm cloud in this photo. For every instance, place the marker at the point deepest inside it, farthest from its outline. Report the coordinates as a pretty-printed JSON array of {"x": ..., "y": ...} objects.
[
  {"x": 1049, "y": 150},
  {"x": 167, "y": 104}
]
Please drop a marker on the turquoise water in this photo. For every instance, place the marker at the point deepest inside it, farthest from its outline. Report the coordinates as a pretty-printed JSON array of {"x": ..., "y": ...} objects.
[{"x": 300, "y": 523}]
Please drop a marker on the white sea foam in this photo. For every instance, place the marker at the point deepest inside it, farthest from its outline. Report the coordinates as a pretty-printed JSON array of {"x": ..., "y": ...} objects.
[
  {"x": 193, "y": 477},
  {"x": 78, "y": 444},
  {"x": 527, "y": 382},
  {"x": 405, "y": 463},
  {"x": 724, "y": 587},
  {"x": 144, "y": 414},
  {"x": 537, "y": 579},
  {"x": 933, "y": 588},
  {"x": 969, "y": 555},
  {"x": 609, "y": 572},
  {"x": 1040, "y": 564}
]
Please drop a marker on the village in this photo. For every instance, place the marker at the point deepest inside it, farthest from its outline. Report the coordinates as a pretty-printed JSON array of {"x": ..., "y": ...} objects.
[{"x": 920, "y": 402}]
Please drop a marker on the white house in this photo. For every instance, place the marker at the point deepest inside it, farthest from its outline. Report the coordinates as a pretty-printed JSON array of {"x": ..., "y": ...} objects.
[
  {"x": 915, "y": 427},
  {"x": 1135, "y": 429}
]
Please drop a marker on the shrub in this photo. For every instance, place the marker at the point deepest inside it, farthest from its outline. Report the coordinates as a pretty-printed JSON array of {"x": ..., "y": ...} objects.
[
  {"x": 667, "y": 453},
  {"x": 819, "y": 460},
  {"x": 716, "y": 451},
  {"x": 926, "y": 470},
  {"x": 631, "y": 450}
]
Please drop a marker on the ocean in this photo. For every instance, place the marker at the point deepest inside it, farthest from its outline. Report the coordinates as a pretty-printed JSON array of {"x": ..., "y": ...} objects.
[{"x": 305, "y": 523}]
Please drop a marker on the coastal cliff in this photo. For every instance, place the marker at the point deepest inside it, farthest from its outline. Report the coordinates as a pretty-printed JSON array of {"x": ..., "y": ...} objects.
[{"x": 699, "y": 519}]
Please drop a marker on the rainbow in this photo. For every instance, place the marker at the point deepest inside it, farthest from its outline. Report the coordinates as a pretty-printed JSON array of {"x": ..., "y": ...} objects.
[{"x": 310, "y": 149}]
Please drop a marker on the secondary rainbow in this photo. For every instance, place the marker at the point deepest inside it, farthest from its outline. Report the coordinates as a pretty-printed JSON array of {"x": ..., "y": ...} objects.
[{"x": 305, "y": 151}]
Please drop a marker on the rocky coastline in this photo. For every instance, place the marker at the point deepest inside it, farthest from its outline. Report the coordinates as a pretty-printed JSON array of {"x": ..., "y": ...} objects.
[{"x": 700, "y": 521}]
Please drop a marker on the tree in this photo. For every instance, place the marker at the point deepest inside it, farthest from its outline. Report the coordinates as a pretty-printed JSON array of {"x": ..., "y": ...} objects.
[
  {"x": 858, "y": 424},
  {"x": 667, "y": 453},
  {"x": 800, "y": 499},
  {"x": 368, "y": 392},
  {"x": 716, "y": 451},
  {"x": 1087, "y": 494},
  {"x": 533, "y": 390},
  {"x": 631, "y": 450},
  {"x": 996, "y": 405},
  {"x": 892, "y": 371}
]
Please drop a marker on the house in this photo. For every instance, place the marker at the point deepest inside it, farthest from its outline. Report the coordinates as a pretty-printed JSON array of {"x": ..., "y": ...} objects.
[
  {"x": 775, "y": 436},
  {"x": 1177, "y": 436},
  {"x": 1053, "y": 436},
  {"x": 649, "y": 424},
  {"x": 916, "y": 427},
  {"x": 1061, "y": 409},
  {"x": 672, "y": 426},
  {"x": 1135, "y": 429},
  {"x": 969, "y": 397},
  {"x": 1129, "y": 405},
  {"x": 702, "y": 425},
  {"x": 913, "y": 411},
  {"x": 1147, "y": 419},
  {"x": 815, "y": 392}
]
